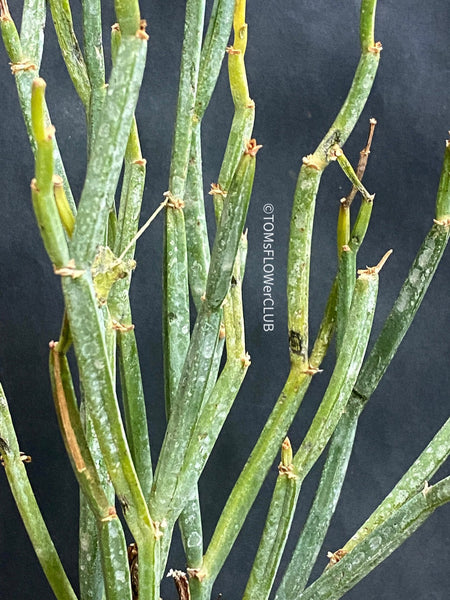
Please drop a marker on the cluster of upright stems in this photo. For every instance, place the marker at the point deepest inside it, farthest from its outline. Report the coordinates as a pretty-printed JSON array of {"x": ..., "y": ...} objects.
[{"x": 91, "y": 248}]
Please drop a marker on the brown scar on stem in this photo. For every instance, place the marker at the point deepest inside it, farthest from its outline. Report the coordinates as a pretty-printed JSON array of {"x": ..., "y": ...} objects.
[
  {"x": 115, "y": 27},
  {"x": 197, "y": 574},
  {"x": 66, "y": 422},
  {"x": 376, "y": 49},
  {"x": 22, "y": 66},
  {"x": 287, "y": 470},
  {"x": 141, "y": 33},
  {"x": 335, "y": 557},
  {"x": 222, "y": 331},
  {"x": 443, "y": 222},
  {"x": 172, "y": 201},
  {"x": 57, "y": 181},
  {"x": 252, "y": 147},
  {"x": 309, "y": 161},
  {"x": 49, "y": 132},
  {"x": 245, "y": 360},
  {"x": 377, "y": 268},
  {"x": 140, "y": 161},
  {"x": 310, "y": 370},
  {"x": 121, "y": 327},
  {"x": 217, "y": 190},
  {"x": 112, "y": 514},
  {"x": 69, "y": 270},
  {"x": 232, "y": 50},
  {"x": 33, "y": 185}
]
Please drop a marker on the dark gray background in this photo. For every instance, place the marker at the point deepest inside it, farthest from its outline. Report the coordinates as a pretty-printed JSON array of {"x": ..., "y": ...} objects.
[{"x": 301, "y": 59}]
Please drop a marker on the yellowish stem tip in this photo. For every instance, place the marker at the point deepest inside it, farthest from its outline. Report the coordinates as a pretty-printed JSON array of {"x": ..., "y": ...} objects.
[{"x": 39, "y": 83}]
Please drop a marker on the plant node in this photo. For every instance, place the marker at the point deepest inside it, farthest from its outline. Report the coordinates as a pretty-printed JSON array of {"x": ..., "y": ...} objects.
[
  {"x": 70, "y": 270},
  {"x": 27, "y": 65},
  {"x": 376, "y": 49},
  {"x": 172, "y": 201},
  {"x": 335, "y": 557}
]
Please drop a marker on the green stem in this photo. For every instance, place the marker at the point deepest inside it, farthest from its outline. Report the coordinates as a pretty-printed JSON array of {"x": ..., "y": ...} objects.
[
  {"x": 95, "y": 62},
  {"x": 176, "y": 321},
  {"x": 108, "y": 149},
  {"x": 213, "y": 51},
  {"x": 346, "y": 283},
  {"x": 119, "y": 304},
  {"x": 276, "y": 531},
  {"x": 443, "y": 196},
  {"x": 190, "y": 62},
  {"x": 198, "y": 252},
  {"x": 404, "y": 310},
  {"x": 308, "y": 184},
  {"x": 110, "y": 533},
  {"x": 339, "y": 579},
  {"x": 44, "y": 204},
  {"x": 70, "y": 49},
  {"x": 402, "y": 314},
  {"x": 244, "y": 107},
  {"x": 129, "y": 16},
  {"x": 219, "y": 401},
  {"x": 32, "y": 30},
  {"x": 28, "y": 508},
  {"x": 102, "y": 407},
  {"x": 190, "y": 522},
  {"x": 194, "y": 380},
  {"x": 308, "y": 546},
  {"x": 25, "y": 69},
  {"x": 251, "y": 478},
  {"x": 414, "y": 480}
]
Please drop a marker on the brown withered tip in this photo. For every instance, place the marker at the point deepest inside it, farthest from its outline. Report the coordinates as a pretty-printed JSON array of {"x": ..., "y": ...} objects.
[
  {"x": 4, "y": 11},
  {"x": 57, "y": 181},
  {"x": 252, "y": 147},
  {"x": 377, "y": 268}
]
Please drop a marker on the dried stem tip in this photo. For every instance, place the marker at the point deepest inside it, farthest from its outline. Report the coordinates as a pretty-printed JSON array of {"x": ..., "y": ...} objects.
[
  {"x": 252, "y": 147},
  {"x": 4, "y": 11},
  {"x": 377, "y": 268}
]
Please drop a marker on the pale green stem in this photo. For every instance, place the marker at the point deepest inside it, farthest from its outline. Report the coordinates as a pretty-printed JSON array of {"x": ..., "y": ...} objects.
[{"x": 28, "y": 508}]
